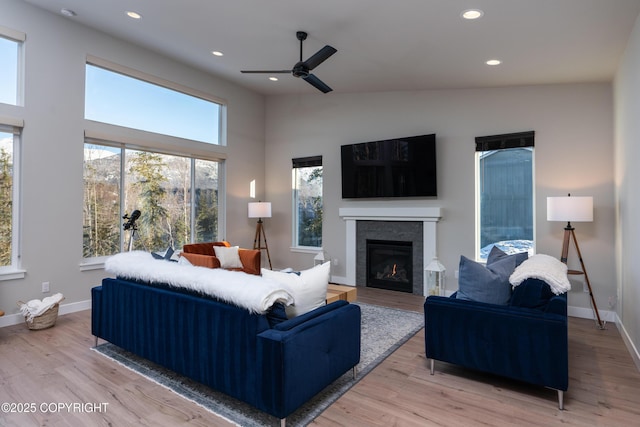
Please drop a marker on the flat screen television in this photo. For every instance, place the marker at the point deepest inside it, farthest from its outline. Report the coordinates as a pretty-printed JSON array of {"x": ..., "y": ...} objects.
[{"x": 402, "y": 167}]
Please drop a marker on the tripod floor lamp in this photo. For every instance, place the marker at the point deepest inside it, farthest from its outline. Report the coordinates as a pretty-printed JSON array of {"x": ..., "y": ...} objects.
[
  {"x": 576, "y": 209},
  {"x": 260, "y": 210}
]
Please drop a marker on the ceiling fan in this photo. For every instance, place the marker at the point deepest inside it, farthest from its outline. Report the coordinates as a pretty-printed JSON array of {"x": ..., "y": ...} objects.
[{"x": 302, "y": 68}]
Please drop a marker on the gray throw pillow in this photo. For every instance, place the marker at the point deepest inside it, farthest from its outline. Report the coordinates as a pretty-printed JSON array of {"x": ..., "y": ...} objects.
[
  {"x": 485, "y": 284},
  {"x": 497, "y": 254}
]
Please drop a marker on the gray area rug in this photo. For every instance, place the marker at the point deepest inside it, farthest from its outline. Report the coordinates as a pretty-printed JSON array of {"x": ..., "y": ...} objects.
[{"x": 383, "y": 331}]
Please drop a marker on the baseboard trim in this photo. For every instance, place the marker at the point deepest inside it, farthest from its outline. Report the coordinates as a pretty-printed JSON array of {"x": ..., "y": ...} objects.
[
  {"x": 587, "y": 313},
  {"x": 633, "y": 350},
  {"x": 15, "y": 319}
]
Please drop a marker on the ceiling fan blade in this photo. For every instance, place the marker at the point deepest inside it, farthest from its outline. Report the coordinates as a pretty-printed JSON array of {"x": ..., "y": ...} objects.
[
  {"x": 266, "y": 71},
  {"x": 317, "y": 83},
  {"x": 319, "y": 57}
]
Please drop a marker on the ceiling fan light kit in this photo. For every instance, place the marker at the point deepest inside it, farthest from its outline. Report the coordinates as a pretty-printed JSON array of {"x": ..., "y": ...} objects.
[{"x": 302, "y": 68}]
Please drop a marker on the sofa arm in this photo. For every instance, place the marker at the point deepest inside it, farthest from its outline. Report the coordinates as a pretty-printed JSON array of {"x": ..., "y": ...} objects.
[
  {"x": 299, "y": 362},
  {"x": 250, "y": 259},
  {"x": 201, "y": 260},
  {"x": 96, "y": 311}
]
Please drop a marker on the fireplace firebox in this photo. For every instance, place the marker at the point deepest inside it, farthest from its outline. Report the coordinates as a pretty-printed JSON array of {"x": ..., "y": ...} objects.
[{"x": 390, "y": 265}]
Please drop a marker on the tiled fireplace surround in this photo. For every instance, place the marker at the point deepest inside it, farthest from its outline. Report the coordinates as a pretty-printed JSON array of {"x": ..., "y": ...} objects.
[{"x": 417, "y": 225}]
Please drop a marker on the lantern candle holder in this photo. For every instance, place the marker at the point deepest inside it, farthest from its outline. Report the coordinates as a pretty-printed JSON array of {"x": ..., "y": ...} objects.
[{"x": 435, "y": 277}]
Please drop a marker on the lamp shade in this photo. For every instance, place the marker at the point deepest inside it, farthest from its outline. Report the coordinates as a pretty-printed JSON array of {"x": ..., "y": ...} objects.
[
  {"x": 577, "y": 209},
  {"x": 260, "y": 210}
]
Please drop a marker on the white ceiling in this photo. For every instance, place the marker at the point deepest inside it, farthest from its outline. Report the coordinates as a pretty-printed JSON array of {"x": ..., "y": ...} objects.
[{"x": 383, "y": 45}]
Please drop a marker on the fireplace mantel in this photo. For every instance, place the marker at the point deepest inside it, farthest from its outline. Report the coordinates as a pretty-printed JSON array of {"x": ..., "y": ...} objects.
[{"x": 429, "y": 216}]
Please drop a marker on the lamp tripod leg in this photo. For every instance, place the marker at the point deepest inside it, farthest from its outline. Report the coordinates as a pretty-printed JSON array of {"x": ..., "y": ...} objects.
[
  {"x": 569, "y": 233},
  {"x": 586, "y": 278},
  {"x": 257, "y": 241},
  {"x": 266, "y": 246}
]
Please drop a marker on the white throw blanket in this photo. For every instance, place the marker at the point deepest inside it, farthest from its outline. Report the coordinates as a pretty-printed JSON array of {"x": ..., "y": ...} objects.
[
  {"x": 254, "y": 293},
  {"x": 35, "y": 307},
  {"x": 543, "y": 267}
]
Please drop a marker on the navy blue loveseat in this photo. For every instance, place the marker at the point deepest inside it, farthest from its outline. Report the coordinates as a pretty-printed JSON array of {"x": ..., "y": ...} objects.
[
  {"x": 525, "y": 340},
  {"x": 275, "y": 368}
]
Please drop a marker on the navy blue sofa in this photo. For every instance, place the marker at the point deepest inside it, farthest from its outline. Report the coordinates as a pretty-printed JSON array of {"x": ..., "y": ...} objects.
[
  {"x": 525, "y": 340},
  {"x": 273, "y": 367}
]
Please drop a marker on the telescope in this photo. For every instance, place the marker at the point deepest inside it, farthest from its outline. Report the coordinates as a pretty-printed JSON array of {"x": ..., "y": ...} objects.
[{"x": 131, "y": 220}]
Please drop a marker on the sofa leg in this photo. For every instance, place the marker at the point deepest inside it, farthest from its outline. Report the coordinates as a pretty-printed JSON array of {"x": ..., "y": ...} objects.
[
  {"x": 432, "y": 363},
  {"x": 96, "y": 344},
  {"x": 283, "y": 422},
  {"x": 355, "y": 372},
  {"x": 561, "y": 400}
]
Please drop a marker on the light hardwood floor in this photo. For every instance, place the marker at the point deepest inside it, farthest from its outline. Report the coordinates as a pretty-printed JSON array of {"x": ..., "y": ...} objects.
[{"x": 57, "y": 365}]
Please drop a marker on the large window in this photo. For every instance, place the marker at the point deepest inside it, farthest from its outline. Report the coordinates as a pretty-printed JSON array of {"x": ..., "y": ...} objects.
[
  {"x": 307, "y": 202},
  {"x": 9, "y": 145},
  {"x": 9, "y": 58},
  {"x": 156, "y": 158},
  {"x": 504, "y": 193},
  {"x": 177, "y": 197},
  {"x": 118, "y": 99}
]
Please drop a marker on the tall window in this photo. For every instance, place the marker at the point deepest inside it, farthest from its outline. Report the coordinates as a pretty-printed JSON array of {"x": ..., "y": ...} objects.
[
  {"x": 505, "y": 193},
  {"x": 9, "y": 137},
  {"x": 9, "y": 58},
  {"x": 307, "y": 202},
  {"x": 177, "y": 197},
  {"x": 121, "y": 100},
  {"x": 177, "y": 194}
]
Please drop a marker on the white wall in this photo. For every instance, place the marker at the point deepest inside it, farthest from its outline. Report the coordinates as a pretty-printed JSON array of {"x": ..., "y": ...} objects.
[
  {"x": 55, "y": 52},
  {"x": 627, "y": 155},
  {"x": 573, "y": 153}
]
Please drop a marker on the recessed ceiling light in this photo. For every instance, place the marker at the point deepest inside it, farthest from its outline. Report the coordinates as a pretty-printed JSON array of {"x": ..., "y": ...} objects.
[
  {"x": 68, "y": 12},
  {"x": 493, "y": 62},
  {"x": 134, "y": 15},
  {"x": 472, "y": 14},
  {"x": 273, "y": 79},
  {"x": 217, "y": 53}
]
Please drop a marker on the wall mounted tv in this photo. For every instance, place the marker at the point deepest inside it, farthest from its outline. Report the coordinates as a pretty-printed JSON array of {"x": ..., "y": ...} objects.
[{"x": 402, "y": 167}]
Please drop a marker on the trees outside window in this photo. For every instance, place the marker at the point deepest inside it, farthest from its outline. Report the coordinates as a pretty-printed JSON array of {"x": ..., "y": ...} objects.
[
  {"x": 307, "y": 202},
  {"x": 6, "y": 199},
  {"x": 177, "y": 197}
]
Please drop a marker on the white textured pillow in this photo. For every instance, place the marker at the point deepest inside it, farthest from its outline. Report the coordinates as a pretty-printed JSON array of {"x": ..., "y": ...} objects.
[
  {"x": 309, "y": 288},
  {"x": 228, "y": 257}
]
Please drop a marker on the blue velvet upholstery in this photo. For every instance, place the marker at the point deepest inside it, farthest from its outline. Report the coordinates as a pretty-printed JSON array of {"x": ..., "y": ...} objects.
[
  {"x": 519, "y": 342},
  {"x": 227, "y": 348}
]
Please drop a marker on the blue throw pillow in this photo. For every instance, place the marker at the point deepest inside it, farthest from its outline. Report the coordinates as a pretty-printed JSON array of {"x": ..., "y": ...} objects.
[
  {"x": 485, "y": 284},
  {"x": 498, "y": 254},
  {"x": 532, "y": 293},
  {"x": 276, "y": 314}
]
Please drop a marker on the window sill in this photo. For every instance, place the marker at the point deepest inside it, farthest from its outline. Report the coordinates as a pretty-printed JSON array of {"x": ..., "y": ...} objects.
[
  {"x": 93, "y": 264},
  {"x": 305, "y": 249},
  {"x": 12, "y": 274}
]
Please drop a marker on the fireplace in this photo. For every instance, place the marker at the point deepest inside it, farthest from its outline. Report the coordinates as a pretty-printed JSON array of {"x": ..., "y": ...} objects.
[
  {"x": 390, "y": 265},
  {"x": 415, "y": 224}
]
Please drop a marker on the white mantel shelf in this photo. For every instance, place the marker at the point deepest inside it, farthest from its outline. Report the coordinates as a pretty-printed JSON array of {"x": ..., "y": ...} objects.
[
  {"x": 429, "y": 216},
  {"x": 390, "y": 214}
]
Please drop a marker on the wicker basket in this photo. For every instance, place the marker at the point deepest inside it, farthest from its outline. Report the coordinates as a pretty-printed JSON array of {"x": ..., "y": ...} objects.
[{"x": 45, "y": 320}]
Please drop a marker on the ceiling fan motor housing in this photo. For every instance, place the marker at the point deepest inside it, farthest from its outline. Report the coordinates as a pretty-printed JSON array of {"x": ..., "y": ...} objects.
[{"x": 300, "y": 70}]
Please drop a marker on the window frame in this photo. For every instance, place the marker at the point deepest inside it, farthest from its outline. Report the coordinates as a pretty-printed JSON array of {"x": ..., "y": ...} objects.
[
  {"x": 298, "y": 163},
  {"x": 497, "y": 143},
  {"x": 95, "y": 262},
  {"x": 14, "y": 270},
  {"x": 100, "y": 133},
  {"x": 154, "y": 80},
  {"x": 20, "y": 38}
]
